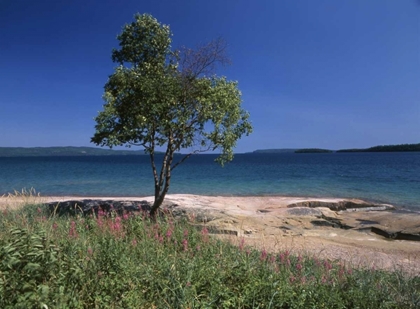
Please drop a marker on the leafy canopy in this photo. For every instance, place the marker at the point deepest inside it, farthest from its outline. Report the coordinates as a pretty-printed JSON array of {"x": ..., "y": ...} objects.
[{"x": 159, "y": 97}]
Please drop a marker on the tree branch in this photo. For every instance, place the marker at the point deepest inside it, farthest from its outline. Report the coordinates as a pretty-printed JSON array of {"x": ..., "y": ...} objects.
[
  {"x": 135, "y": 144},
  {"x": 189, "y": 155},
  {"x": 203, "y": 59}
]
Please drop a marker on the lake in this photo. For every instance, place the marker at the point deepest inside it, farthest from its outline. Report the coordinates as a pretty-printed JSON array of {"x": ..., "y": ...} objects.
[{"x": 392, "y": 178}]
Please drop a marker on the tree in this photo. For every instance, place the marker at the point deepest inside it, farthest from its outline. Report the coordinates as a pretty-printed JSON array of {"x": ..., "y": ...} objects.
[{"x": 160, "y": 98}]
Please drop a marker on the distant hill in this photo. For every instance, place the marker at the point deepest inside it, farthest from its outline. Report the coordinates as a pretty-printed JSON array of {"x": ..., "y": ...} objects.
[
  {"x": 281, "y": 150},
  {"x": 386, "y": 148},
  {"x": 63, "y": 151},
  {"x": 313, "y": 150}
]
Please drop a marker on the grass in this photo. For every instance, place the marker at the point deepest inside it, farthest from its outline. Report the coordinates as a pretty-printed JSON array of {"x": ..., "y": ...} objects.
[{"x": 129, "y": 261}]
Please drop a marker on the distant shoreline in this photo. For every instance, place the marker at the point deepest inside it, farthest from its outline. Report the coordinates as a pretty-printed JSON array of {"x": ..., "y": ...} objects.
[
  {"x": 94, "y": 151},
  {"x": 381, "y": 148}
]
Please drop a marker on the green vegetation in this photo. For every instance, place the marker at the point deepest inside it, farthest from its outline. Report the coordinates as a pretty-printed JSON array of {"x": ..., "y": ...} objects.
[
  {"x": 170, "y": 99},
  {"x": 62, "y": 151},
  {"x": 386, "y": 148},
  {"x": 313, "y": 150},
  {"x": 130, "y": 261}
]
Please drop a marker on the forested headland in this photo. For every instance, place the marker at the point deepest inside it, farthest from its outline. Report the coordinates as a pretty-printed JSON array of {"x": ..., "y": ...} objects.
[
  {"x": 63, "y": 151},
  {"x": 386, "y": 148}
]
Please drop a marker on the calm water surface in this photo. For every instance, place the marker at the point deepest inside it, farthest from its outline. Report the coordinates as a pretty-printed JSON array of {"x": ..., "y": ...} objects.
[{"x": 381, "y": 177}]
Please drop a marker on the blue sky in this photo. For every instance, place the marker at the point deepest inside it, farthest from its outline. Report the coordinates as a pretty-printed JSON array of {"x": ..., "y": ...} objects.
[{"x": 313, "y": 73}]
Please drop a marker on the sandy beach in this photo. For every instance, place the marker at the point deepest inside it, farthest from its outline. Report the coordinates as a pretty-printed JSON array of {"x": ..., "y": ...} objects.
[{"x": 316, "y": 226}]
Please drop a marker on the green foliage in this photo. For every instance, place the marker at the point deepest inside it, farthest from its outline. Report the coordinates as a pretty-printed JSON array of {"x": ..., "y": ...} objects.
[
  {"x": 34, "y": 273},
  {"x": 386, "y": 148},
  {"x": 133, "y": 262},
  {"x": 159, "y": 98}
]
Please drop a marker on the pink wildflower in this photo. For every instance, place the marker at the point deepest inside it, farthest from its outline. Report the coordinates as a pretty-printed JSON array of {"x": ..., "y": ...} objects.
[
  {"x": 327, "y": 265},
  {"x": 272, "y": 258},
  {"x": 241, "y": 244},
  {"x": 282, "y": 258},
  {"x": 100, "y": 222},
  {"x": 205, "y": 234},
  {"x": 204, "y": 231},
  {"x": 117, "y": 224},
  {"x": 73, "y": 231},
  {"x": 263, "y": 255},
  {"x": 169, "y": 233},
  {"x": 101, "y": 213},
  {"x": 185, "y": 244}
]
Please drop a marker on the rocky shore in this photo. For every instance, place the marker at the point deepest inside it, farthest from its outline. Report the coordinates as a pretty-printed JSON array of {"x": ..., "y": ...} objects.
[
  {"x": 362, "y": 233},
  {"x": 381, "y": 219}
]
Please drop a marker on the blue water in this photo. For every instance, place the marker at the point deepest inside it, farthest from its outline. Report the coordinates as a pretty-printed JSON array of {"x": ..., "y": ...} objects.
[{"x": 381, "y": 177}]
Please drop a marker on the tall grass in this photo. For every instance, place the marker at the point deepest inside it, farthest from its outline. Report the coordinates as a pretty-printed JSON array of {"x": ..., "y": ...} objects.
[{"x": 128, "y": 261}]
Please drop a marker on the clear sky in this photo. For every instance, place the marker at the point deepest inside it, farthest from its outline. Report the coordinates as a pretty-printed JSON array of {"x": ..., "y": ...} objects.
[{"x": 313, "y": 73}]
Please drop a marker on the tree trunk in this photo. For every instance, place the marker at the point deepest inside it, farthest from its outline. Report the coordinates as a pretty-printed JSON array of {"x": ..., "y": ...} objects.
[
  {"x": 156, "y": 204},
  {"x": 164, "y": 180}
]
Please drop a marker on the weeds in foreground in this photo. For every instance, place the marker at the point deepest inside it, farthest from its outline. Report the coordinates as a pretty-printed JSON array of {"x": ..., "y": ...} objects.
[{"x": 129, "y": 261}]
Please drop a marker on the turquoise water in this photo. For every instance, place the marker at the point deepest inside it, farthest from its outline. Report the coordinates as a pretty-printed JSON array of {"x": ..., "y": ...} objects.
[{"x": 381, "y": 177}]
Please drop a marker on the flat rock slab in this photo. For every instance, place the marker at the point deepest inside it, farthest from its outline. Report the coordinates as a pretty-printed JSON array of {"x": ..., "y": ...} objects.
[
  {"x": 393, "y": 225},
  {"x": 325, "y": 212}
]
